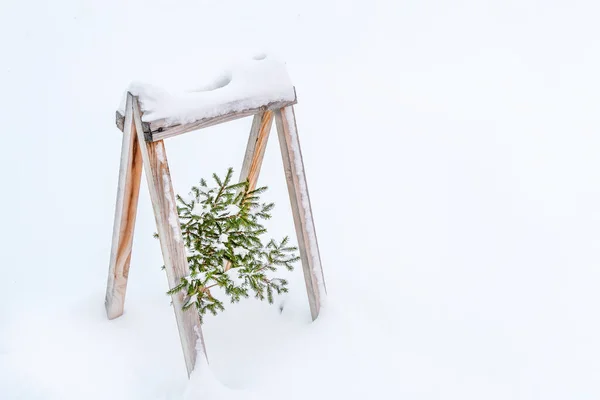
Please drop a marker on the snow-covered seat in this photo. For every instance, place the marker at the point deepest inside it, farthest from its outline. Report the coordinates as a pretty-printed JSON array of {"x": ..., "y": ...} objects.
[{"x": 253, "y": 86}]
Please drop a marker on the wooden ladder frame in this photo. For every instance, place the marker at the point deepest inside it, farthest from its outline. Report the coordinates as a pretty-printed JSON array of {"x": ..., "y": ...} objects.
[{"x": 143, "y": 147}]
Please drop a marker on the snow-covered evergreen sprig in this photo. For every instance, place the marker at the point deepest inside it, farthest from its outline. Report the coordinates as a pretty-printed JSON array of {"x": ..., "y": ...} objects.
[{"x": 222, "y": 232}]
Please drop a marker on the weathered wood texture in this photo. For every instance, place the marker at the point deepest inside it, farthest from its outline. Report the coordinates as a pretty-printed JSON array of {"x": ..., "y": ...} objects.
[
  {"x": 171, "y": 239},
  {"x": 299, "y": 198},
  {"x": 160, "y": 129},
  {"x": 255, "y": 151},
  {"x": 130, "y": 173},
  {"x": 119, "y": 120}
]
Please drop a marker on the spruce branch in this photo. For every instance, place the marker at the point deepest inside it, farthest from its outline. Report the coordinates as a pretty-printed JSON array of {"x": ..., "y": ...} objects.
[{"x": 222, "y": 233}]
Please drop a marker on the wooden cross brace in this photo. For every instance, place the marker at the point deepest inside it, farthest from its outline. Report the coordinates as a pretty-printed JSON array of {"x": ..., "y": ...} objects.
[{"x": 143, "y": 147}]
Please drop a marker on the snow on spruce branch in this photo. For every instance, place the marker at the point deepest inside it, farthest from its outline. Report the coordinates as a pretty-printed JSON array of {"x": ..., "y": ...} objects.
[{"x": 223, "y": 235}]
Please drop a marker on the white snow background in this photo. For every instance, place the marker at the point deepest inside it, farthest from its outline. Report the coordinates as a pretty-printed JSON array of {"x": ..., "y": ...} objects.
[{"x": 452, "y": 151}]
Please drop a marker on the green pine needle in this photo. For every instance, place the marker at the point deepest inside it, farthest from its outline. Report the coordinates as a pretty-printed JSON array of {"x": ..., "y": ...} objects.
[{"x": 222, "y": 226}]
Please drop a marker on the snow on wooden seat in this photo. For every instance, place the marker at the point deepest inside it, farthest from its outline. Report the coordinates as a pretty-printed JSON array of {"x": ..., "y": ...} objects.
[{"x": 255, "y": 85}]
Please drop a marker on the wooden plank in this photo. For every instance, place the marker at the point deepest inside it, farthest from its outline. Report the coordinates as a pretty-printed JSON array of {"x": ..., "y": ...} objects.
[
  {"x": 293, "y": 165},
  {"x": 255, "y": 151},
  {"x": 161, "y": 130},
  {"x": 130, "y": 173},
  {"x": 119, "y": 120},
  {"x": 170, "y": 237}
]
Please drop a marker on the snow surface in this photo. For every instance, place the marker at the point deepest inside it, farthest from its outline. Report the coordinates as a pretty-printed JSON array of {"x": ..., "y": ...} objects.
[
  {"x": 250, "y": 84},
  {"x": 452, "y": 156}
]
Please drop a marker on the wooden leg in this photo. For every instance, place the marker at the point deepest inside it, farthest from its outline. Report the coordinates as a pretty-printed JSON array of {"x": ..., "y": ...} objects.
[
  {"x": 255, "y": 150},
  {"x": 303, "y": 220},
  {"x": 171, "y": 239},
  {"x": 128, "y": 190}
]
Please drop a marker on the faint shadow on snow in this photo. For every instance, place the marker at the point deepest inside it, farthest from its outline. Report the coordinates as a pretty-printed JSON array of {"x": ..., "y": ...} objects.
[
  {"x": 204, "y": 385},
  {"x": 335, "y": 353},
  {"x": 217, "y": 83}
]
